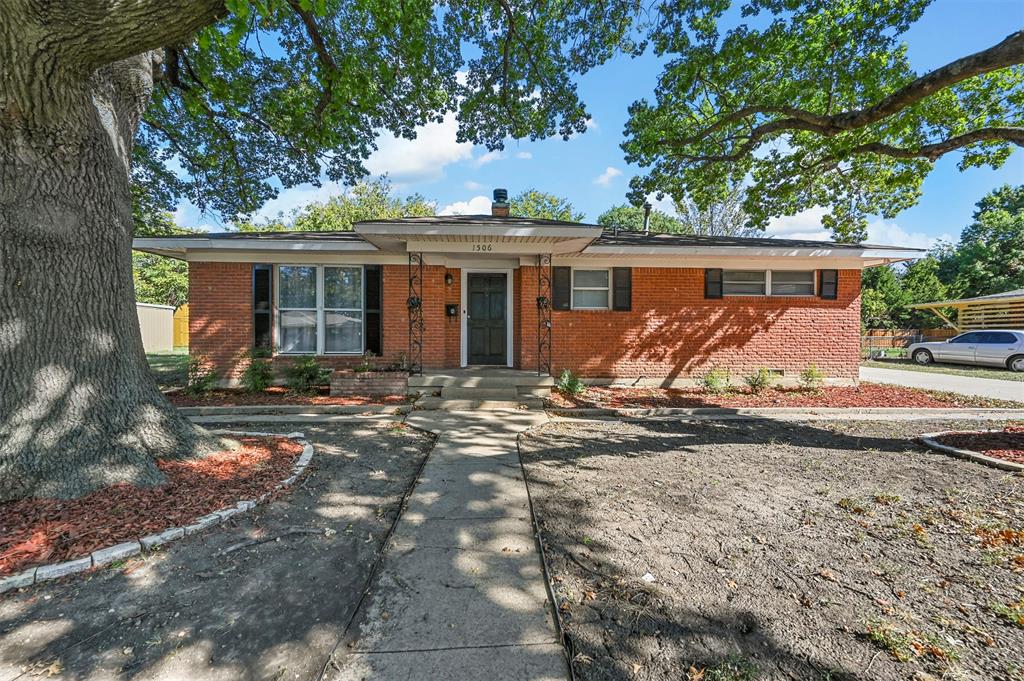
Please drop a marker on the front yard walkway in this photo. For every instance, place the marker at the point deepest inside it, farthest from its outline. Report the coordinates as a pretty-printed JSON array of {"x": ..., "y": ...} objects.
[
  {"x": 981, "y": 387},
  {"x": 461, "y": 592}
]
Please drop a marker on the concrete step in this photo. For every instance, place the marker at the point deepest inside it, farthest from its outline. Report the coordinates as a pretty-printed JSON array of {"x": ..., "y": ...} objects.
[
  {"x": 452, "y": 392},
  {"x": 475, "y": 405},
  {"x": 496, "y": 380}
]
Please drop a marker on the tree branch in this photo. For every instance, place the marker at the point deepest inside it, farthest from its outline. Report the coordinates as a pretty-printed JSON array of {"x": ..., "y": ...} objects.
[
  {"x": 100, "y": 32},
  {"x": 323, "y": 54},
  {"x": 934, "y": 151}
]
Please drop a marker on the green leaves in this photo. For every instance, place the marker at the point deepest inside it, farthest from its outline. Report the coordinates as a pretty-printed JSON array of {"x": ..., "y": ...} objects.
[
  {"x": 813, "y": 103},
  {"x": 532, "y": 203}
]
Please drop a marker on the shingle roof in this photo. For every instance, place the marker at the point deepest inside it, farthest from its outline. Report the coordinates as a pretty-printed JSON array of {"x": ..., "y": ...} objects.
[
  {"x": 633, "y": 238},
  {"x": 332, "y": 235},
  {"x": 477, "y": 220}
]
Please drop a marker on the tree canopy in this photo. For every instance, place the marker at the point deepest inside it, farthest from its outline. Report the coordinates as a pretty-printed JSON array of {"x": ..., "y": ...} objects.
[
  {"x": 814, "y": 103},
  {"x": 989, "y": 258},
  {"x": 532, "y": 203},
  {"x": 625, "y": 216}
]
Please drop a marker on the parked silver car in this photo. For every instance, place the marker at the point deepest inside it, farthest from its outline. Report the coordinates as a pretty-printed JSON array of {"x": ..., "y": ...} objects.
[{"x": 992, "y": 347}]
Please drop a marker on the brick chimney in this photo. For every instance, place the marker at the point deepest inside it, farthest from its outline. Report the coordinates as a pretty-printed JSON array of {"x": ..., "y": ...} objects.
[{"x": 499, "y": 207}]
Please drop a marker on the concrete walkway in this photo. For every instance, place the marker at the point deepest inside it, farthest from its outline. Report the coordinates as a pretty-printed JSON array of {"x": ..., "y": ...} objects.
[
  {"x": 461, "y": 593},
  {"x": 965, "y": 385}
]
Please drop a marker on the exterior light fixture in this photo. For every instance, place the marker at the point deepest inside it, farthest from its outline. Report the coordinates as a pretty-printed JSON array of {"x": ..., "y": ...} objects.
[{"x": 448, "y": 279}]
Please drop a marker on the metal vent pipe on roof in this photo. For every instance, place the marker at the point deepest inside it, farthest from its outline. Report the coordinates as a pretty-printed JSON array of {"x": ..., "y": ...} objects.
[
  {"x": 647, "y": 218},
  {"x": 499, "y": 206}
]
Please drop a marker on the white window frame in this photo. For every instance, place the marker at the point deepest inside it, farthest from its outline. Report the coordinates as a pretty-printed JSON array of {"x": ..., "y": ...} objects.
[
  {"x": 814, "y": 285},
  {"x": 321, "y": 320},
  {"x": 572, "y": 288},
  {"x": 768, "y": 285}
]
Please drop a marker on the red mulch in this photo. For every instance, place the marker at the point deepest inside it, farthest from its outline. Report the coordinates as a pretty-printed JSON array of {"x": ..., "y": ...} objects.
[
  {"x": 864, "y": 395},
  {"x": 40, "y": 531},
  {"x": 1007, "y": 444},
  {"x": 277, "y": 396}
]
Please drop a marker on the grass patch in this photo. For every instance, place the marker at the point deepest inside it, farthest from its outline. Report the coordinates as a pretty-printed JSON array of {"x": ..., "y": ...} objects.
[
  {"x": 1011, "y": 612},
  {"x": 170, "y": 369},
  {"x": 951, "y": 369},
  {"x": 907, "y": 645},
  {"x": 733, "y": 669}
]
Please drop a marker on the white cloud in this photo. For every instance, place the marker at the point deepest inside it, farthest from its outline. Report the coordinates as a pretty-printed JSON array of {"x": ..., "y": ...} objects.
[
  {"x": 297, "y": 197},
  {"x": 472, "y": 186},
  {"x": 592, "y": 123},
  {"x": 489, "y": 157},
  {"x": 478, "y": 205},
  {"x": 525, "y": 155},
  {"x": 807, "y": 225},
  {"x": 605, "y": 178},
  {"x": 422, "y": 159}
]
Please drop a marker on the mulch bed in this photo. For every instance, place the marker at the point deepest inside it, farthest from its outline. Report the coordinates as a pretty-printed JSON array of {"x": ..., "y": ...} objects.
[
  {"x": 278, "y": 396},
  {"x": 1007, "y": 444},
  {"x": 41, "y": 531},
  {"x": 864, "y": 395}
]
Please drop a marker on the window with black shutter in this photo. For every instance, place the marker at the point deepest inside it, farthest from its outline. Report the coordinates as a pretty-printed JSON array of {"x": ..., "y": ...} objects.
[
  {"x": 261, "y": 308},
  {"x": 561, "y": 287},
  {"x": 622, "y": 288},
  {"x": 713, "y": 283},
  {"x": 372, "y": 297},
  {"x": 828, "y": 284}
]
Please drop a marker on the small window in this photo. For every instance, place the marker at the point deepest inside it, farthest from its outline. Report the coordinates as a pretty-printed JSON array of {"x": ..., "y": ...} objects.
[
  {"x": 793, "y": 283},
  {"x": 297, "y": 309},
  {"x": 590, "y": 289},
  {"x": 743, "y": 282}
]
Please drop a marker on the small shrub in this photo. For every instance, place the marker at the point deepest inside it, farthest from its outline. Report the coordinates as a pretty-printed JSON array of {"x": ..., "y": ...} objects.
[
  {"x": 305, "y": 375},
  {"x": 812, "y": 377},
  {"x": 259, "y": 373},
  {"x": 570, "y": 384},
  {"x": 200, "y": 375},
  {"x": 715, "y": 381},
  {"x": 367, "y": 363},
  {"x": 759, "y": 380}
]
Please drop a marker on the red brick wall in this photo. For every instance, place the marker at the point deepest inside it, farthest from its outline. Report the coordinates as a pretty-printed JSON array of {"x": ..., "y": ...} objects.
[
  {"x": 220, "y": 313},
  {"x": 672, "y": 331}
]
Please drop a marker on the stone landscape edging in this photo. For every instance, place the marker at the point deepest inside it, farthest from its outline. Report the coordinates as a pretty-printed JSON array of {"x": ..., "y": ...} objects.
[
  {"x": 954, "y": 412},
  {"x": 930, "y": 440},
  {"x": 110, "y": 554}
]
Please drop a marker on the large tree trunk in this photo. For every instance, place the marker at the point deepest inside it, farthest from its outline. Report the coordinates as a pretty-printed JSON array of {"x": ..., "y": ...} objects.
[{"x": 78, "y": 407}]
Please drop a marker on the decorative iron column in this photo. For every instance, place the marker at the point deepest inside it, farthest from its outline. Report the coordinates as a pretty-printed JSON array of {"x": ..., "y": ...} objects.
[
  {"x": 544, "y": 315},
  {"x": 415, "y": 304}
]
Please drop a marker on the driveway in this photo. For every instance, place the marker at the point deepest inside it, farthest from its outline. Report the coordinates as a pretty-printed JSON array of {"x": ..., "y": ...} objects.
[{"x": 982, "y": 387}]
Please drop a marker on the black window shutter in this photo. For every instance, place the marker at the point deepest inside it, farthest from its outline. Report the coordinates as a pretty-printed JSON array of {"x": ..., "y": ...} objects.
[
  {"x": 713, "y": 283},
  {"x": 828, "y": 284},
  {"x": 261, "y": 307},
  {"x": 622, "y": 288},
  {"x": 372, "y": 296},
  {"x": 561, "y": 285}
]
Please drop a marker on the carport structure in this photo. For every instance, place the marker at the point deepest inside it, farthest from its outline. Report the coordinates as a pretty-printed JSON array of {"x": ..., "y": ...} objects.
[{"x": 994, "y": 311}]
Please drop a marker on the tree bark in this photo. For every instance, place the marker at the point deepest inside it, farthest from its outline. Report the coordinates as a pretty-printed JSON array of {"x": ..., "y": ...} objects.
[{"x": 78, "y": 407}]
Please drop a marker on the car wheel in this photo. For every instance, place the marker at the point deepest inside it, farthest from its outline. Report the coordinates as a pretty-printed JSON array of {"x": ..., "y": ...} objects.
[
  {"x": 1015, "y": 363},
  {"x": 923, "y": 357}
]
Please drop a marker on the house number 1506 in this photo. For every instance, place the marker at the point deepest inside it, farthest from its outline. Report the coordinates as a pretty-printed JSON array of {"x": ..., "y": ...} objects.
[{"x": 482, "y": 247}]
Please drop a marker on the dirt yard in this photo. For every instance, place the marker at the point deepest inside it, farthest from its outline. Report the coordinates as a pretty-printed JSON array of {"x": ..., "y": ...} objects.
[
  {"x": 764, "y": 549},
  {"x": 263, "y": 596},
  {"x": 279, "y": 396}
]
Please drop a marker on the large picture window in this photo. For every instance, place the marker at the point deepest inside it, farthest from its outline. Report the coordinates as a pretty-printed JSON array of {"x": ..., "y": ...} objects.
[
  {"x": 590, "y": 290},
  {"x": 320, "y": 309}
]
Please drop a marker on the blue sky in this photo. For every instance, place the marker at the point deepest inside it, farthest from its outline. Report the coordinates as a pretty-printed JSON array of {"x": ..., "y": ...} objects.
[{"x": 589, "y": 169}]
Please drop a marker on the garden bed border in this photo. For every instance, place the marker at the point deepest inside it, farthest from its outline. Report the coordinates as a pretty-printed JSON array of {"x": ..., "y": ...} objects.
[
  {"x": 127, "y": 549},
  {"x": 931, "y": 440}
]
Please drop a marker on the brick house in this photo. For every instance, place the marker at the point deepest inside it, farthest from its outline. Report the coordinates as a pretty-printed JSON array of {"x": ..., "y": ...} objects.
[{"x": 454, "y": 291}]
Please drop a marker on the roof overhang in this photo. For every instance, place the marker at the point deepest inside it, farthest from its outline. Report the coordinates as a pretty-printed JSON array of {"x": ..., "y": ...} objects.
[
  {"x": 964, "y": 302},
  {"x": 469, "y": 238},
  {"x": 869, "y": 257},
  {"x": 176, "y": 247}
]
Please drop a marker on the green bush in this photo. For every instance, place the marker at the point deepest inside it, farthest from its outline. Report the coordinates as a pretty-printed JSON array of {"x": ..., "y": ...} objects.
[
  {"x": 570, "y": 384},
  {"x": 306, "y": 375},
  {"x": 812, "y": 377},
  {"x": 715, "y": 381},
  {"x": 759, "y": 380},
  {"x": 200, "y": 376},
  {"x": 259, "y": 373}
]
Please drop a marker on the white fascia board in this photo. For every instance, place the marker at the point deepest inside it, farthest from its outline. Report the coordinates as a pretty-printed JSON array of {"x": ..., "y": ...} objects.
[
  {"x": 185, "y": 245},
  {"x": 477, "y": 230},
  {"x": 748, "y": 252}
]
